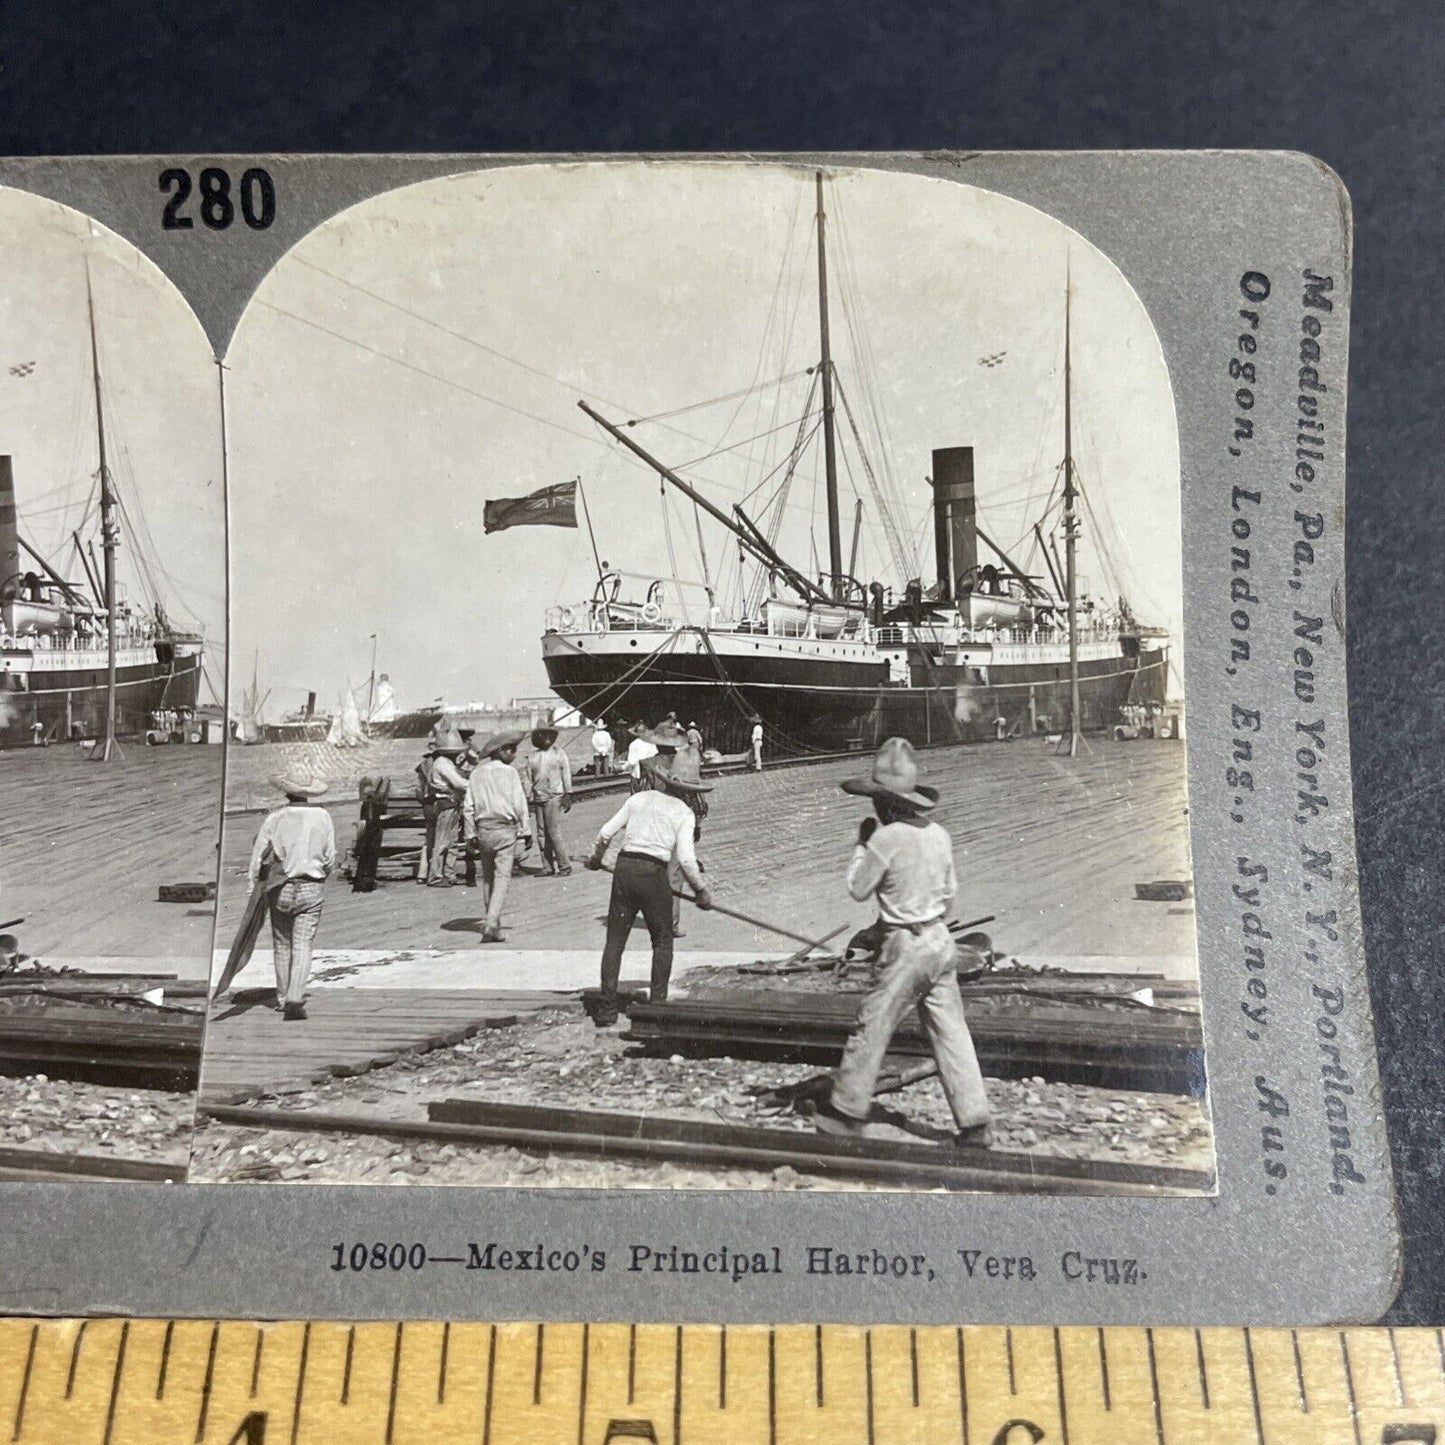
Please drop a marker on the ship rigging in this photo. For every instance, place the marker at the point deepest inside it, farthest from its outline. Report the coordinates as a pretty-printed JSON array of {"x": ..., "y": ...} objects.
[{"x": 825, "y": 661}]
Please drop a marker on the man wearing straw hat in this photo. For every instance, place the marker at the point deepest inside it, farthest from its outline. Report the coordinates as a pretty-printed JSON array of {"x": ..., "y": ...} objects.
[
  {"x": 658, "y": 825},
  {"x": 548, "y": 781},
  {"x": 905, "y": 862},
  {"x": 494, "y": 815},
  {"x": 443, "y": 787},
  {"x": 298, "y": 841}
]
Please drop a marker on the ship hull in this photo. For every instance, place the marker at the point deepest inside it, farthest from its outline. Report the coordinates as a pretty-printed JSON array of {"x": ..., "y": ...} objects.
[
  {"x": 822, "y": 705},
  {"x": 54, "y": 698},
  {"x": 416, "y": 724}
]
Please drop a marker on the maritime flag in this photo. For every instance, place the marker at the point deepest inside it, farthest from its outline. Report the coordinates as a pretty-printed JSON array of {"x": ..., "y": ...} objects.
[{"x": 551, "y": 507}]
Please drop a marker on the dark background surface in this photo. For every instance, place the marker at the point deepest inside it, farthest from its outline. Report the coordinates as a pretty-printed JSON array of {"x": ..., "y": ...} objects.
[{"x": 1359, "y": 86}]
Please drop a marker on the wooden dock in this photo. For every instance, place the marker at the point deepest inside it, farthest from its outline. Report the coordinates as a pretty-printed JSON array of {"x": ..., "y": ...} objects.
[
  {"x": 1053, "y": 846},
  {"x": 86, "y": 845},
  {"x": 251, "y": 1051}
]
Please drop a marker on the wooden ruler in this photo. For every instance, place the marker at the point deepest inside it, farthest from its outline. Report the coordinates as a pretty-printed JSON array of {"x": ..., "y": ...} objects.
[{"x": 152, "y": 1382}]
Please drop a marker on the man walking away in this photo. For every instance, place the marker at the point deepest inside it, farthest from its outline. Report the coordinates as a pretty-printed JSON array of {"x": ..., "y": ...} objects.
[
  {"x": 549, "y": 786},
  {"x": 494, "y": 815},
  {"x": 694, "y": 738},
  {"x": 601, "y": 749},
  {"x": 638, "y": 751},
  {"x": 658, "y": 825},
  {"x": 756, "y": 742},
  {"x": 906, "y": 863},
  {"x": 300, "y": 843},
  {"x": 444, "y": 785}
]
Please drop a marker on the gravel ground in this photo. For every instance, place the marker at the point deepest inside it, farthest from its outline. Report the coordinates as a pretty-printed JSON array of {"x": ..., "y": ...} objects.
[
  {"x": 558, "y": 1058},
  {"x": 69, "y": 1118}
]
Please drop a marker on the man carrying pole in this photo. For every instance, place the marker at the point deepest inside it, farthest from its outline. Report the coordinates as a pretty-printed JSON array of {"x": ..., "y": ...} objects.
[
  {"x": 906, "y": 863},
  {"x": 659, "y": 825},
  {"x": 296, "y": 845}
]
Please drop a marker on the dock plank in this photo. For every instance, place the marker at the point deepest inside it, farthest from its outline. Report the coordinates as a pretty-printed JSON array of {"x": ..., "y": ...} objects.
[{"x": 251, "y": 1050}]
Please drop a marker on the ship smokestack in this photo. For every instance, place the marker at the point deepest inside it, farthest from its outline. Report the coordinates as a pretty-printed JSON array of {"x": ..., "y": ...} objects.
[
  {"x": 310, "y": 704},
  {"x": 9, "y": 533},
  {"x": 955, "y": 532}
]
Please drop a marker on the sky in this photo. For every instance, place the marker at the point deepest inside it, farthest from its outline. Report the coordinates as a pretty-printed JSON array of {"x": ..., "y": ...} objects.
[
  {"x": 426, "y": 350},
  {"x": 159, "y": 393}
]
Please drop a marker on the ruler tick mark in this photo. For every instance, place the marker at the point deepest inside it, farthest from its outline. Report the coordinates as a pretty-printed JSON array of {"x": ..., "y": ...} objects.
[
  {"x": 165, "y": 1360},
  {"x": 1008, "y": 1345},
  {"x": 537, "y": 1373},
  {"x": 818, "y": 1364},
  {"x": 300, "y": 1381},
  {"x": 25, "y": 1383},
  {"x": 1203, "y": 1372},
  {"x": 962, "y": 1390},
  {"x": 395, "y": 1377},
  {"x": 631, "y": 1362},
  {"x": 772, "y": 1388},
  {"x": 346, "y": 1369},
  {"x": 1154, "y": 1385},
  {"x": 1104, "y": 1371},
  {"x": 1253, "y": 1386},
  {"x": 207, "y": 1382},
  {"x": 913, "y": 1363},
  {"x": 1299, "y": 1374},
  {"x": 1059, "y": 1378},
  {"x": 868, "y": 1378},
  {"x": 115, "y": 1382},
  {"x": 491, "y": 1377},
  {"x": 442, "y": 1364},
  {"x": 582, "y": 1393},
  {"x": 1395, "y": 1360},
  {"x": 1350, "y": 1386},
  {"x": 677, "y": 1388},
  {"x": 722, "y": 1369},
  {"x": 256, "y": 1360},
  {"x": 75, "y": 1358}
]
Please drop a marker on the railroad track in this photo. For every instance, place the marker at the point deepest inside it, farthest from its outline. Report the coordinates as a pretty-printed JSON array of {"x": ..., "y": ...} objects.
[
  {"x": 652, "y": 1139},
  {"x": 1062, "y": 1043},
  {"x": 39, "y": 1166},
  {"x": 151, "y": 1051}
]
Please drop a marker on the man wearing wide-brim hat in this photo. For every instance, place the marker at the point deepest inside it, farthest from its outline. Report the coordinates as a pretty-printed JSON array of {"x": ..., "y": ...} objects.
[
  {"x": 904, "y": 861},
  {"x": 658, "y": 827},
  {"x": 443, "y": 786},
  {"x": 296, "y": 845},
  {"x": 548, "y": 781},
  {"x": 494, "y": 815},
  {"x": 639, "y": 750}
]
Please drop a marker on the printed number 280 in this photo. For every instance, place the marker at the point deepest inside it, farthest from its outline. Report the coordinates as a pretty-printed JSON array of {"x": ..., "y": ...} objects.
[{"x": 256, "y": 194}]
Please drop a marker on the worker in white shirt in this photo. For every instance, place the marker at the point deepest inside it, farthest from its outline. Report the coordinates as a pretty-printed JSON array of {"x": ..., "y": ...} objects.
[
  {"x": 904, "y": 861},
  {"x": 639, "y": 750},
  {"x": 296, "y": 844},
  {"x": 494, "y": 815},
  {"x": 602, "y": 746},
  {"x": 756, "y": 744},
  {"x": 658, "y": 827}
]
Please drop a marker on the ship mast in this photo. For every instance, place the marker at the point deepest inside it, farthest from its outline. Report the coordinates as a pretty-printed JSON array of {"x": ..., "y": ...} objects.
[
  {"x": 107, "y": 747},
  {"x": 1071, "y": 529},
  {"x": 830, "y": 447}
]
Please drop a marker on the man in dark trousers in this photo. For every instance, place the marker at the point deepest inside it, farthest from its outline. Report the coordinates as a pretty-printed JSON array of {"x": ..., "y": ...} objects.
[
  {"x": 658, "y": 826},
  {"x": 904, "y": 861}
]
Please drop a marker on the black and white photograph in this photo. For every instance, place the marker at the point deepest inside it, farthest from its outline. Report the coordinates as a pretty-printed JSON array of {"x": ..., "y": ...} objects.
[
  {"x": 112, "y": 678},
  {"x": 706, "y": 696}
]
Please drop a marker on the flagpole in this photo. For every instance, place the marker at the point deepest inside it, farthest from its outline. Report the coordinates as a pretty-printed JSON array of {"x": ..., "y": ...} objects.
[{"x": 587, "y": 513}]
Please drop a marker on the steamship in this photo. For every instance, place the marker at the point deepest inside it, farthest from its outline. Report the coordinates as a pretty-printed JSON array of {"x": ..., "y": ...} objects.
[
  {"x": 989, "y": 651},
  {"x": 77, "y": 659}
]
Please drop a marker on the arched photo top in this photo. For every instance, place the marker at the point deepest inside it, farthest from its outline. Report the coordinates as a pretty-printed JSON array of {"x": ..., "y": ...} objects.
[{"x": 426, "y": 349}]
